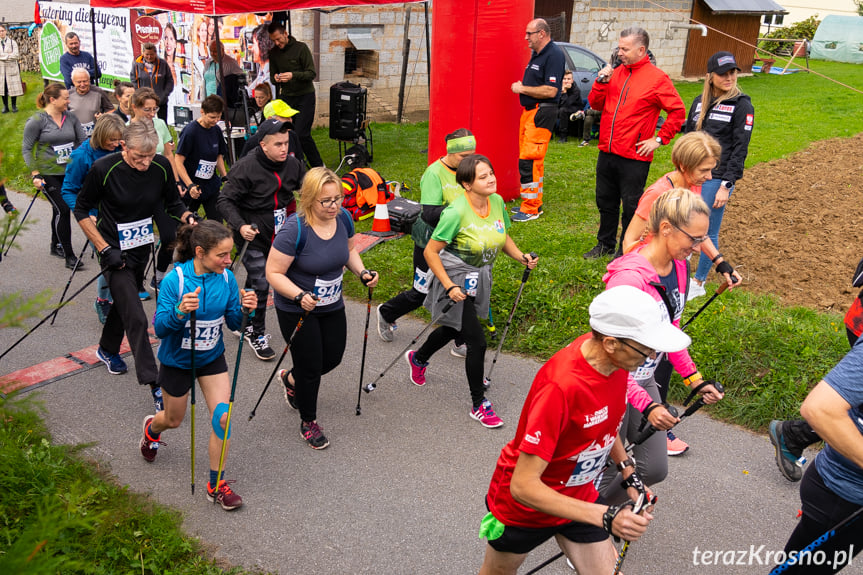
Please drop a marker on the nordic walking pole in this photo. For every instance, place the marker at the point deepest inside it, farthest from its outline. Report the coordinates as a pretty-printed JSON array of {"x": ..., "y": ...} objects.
[
  {"x": 284, "y": 353},
  {"x": 47, "y": 317},
  {"x": 373, "y": 385},
  {"x": 715, "y": 295},
  {"x": 545, "y": 564},
  {"x": 811, "y": 548},
  {"x": 643, "y": 501},
  {"x": 24, "y": 217},
  {"x": 69, "y": 282},
  {"x": 487, "y": 380},
  {"x": 365, "y": 343},
  {"x": 193, "y": 332},
  {"x": 699, "y": 403},
  {"x": 231, "y": 402},
  {"x": 245, "y": 247}
]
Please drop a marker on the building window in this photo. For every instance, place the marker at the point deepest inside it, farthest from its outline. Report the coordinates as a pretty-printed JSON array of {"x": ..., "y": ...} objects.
[{"x": 361, "y": 63}]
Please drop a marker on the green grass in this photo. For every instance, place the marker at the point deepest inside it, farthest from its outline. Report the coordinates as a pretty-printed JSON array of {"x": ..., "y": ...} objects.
[
  {"x": 767, "y": 355},
  {"x": 58, "y": 514}
]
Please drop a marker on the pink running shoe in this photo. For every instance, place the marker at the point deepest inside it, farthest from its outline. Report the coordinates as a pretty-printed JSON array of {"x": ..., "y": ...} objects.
[
  {"x": 485, "y": 415},
  {"x": 675, "y": 445},
  {"x": 418, "y": 371}
]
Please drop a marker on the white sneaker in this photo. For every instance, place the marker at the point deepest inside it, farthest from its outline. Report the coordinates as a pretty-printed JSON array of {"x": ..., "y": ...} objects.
[
  {"x": 385, "y": 329},
  {"x": 458, "y": 350},
  {"x": 696, "y": 289}
]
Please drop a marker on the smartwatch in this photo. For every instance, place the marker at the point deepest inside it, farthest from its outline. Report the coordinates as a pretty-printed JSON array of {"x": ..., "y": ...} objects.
[{"x": 727, "y": 185}]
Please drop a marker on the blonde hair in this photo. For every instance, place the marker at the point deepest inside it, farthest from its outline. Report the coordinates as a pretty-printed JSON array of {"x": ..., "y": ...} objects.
[
  {"x": 676, "y": 206},
  {"x": 707, "y": 96},
  {"x": 693, "y": 148},
  {"x": 108, "y": 127},
  {"x": 141, "y": 136},
  {"x": 313, "y": 183}
]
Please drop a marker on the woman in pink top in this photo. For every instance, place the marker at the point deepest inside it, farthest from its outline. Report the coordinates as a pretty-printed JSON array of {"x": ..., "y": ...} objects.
[{"x": 677, "y": 227}]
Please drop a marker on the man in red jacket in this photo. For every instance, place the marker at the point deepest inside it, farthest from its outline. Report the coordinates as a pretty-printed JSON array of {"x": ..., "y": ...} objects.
[{"x": 630, "y": 97}]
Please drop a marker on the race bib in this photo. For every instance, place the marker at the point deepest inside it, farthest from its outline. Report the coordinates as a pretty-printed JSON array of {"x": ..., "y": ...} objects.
[
  {"x": 63, "y": 153},
  {"x": 135, "y": 234},
  {"x": 207, "y": 334},
  {"x": 421, "y": 280},
  {"x": 205, "y": 170},
  {"x": 328, "y": 291},
  {"x": 646, "y": 369},
  {"x": 280, "y": 217},
  {"x": 471, "y": 280},
  {"x": 590, "y": 464},
  {"x": 88, "y": 128}
]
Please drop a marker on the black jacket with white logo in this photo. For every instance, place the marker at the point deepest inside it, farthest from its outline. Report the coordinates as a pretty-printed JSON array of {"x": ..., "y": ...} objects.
[{"x": 730, "y": 122}]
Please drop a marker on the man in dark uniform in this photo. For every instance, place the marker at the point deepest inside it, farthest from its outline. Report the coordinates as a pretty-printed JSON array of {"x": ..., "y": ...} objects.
[{"x": 538, "y": 93}]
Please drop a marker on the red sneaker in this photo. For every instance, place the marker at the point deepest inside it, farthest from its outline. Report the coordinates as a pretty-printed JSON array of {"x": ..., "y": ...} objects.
[
  {"x": 149, "y": 446},
  {"x": 224, "y": 496}
]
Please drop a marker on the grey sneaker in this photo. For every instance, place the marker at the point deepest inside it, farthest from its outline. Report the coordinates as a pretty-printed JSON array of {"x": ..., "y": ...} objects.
[
  {"x": 458, "y": 350},
  {"x": 385, "y": 329},
  {"x": 786, "y": 461}
]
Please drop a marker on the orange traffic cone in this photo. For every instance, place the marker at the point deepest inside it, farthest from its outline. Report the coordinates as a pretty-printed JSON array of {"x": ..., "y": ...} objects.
[{"x": 381, "y": 224}]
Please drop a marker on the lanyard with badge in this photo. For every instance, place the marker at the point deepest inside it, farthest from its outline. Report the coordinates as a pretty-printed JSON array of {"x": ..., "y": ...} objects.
[{"x": 280, "y": 215}]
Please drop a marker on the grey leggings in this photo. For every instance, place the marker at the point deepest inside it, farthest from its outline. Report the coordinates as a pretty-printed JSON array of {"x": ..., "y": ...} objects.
[{"x": 651, "y": 457}]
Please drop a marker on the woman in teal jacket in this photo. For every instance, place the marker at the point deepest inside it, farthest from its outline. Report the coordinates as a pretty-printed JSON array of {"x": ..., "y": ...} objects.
[{"x": 200, "y": 282}]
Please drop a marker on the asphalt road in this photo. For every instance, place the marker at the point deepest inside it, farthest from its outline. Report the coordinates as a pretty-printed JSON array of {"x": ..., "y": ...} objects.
[{"x": 400, "y": 489}]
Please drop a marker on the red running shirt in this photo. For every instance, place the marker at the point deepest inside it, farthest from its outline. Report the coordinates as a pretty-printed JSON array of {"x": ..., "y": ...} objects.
[{"x": 570, "y": 418}]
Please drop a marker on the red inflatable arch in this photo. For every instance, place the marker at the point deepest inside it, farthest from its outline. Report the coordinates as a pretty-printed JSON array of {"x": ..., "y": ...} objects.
[{"x": 478, "y": 51}]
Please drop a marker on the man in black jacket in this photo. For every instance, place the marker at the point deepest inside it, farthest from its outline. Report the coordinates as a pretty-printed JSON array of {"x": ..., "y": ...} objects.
[
  {"x": 260, "y": 191},
  {"x": 128, "y": 188}
]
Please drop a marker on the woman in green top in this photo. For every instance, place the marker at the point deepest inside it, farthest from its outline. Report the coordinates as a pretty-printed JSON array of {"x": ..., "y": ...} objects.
[
  {"x": 461, "y": 252},
  {"x": 438, "y": 189}
]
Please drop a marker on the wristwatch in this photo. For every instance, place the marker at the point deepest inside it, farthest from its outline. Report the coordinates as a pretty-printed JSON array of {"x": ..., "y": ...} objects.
[
  {"x": 727, "y": 185},
  {"x": 659, "y": 140},
  {"x": 628, "y": 462}
]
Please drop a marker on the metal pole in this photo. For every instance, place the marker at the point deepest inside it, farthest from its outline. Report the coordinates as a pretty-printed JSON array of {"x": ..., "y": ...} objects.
[{"x": 405, "y": 54}]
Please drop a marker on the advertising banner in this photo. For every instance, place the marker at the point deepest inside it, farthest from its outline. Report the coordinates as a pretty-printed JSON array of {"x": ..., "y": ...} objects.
[{"x": 113, "y": 39}]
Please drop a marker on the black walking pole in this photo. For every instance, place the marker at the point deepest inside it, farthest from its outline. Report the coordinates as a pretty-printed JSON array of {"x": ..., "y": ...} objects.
[
  {"x": 715, "y": 295},
  {"x": 243, "y": 251},
  {"x": 69, "y": 282},
  {"x": 810, "y": 550},
  {"x": 24, "y": 217},
  {"x": 365, "y": 344},
  {"x": 193, "y": 332},
  {"x": 373, "y": 385},
  {"x": 284, "y": 353},
  {"x": 230, "y": 405},
  {"x": 47, "y": 317},
  {"x": 487, "y": 380}
]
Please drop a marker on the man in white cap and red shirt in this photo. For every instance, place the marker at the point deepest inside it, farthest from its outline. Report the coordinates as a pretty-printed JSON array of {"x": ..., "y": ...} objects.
[{"x": 544, "y": 482}]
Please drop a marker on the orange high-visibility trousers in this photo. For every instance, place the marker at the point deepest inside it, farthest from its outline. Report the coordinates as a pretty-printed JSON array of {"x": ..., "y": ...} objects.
[{"x": 534, "y": 134}]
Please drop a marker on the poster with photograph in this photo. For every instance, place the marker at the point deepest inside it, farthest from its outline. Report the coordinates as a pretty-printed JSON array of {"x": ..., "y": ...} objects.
[{"x": 113, "y": 39}]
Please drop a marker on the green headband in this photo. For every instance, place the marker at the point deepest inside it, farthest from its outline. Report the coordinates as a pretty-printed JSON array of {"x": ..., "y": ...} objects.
[{"x": 463, "y": 144}]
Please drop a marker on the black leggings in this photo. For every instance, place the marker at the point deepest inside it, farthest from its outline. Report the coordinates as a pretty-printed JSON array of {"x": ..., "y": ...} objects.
[
  {"x": 822, "y": 510},
  {"x": 471, "y": 333},
  {"x": 316, "y": 351},
  {"x": 409, "y": 300},
  {"x": 61, "y": 226},
  {"x": 167, "y": 236}
]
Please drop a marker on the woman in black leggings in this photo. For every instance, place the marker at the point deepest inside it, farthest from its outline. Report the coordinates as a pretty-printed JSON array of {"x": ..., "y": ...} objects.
[
  {"x": 305, "y": 268},
  {"x": 49, "y": 138},
  {"x": 461, "y": 252}
]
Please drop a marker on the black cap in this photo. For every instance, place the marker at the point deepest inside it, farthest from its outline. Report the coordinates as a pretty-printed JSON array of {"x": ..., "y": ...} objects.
[
  {"x": 272, "y": 126},
  {"x": 721, "y": 62}
]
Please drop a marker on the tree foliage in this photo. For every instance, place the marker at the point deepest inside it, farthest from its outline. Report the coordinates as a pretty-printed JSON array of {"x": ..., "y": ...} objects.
[{"x": 805, "y": 29}]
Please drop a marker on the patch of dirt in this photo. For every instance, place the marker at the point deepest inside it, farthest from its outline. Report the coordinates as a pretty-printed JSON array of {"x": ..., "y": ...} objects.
[{"x": 793, "y": 226}]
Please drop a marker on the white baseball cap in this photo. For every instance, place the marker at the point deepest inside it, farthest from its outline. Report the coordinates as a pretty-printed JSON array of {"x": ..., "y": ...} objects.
[{"x": 628, "y": 312}]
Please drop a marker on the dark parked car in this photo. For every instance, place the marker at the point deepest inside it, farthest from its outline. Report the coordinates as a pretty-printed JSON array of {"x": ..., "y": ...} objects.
[{"x": 584, "y": 65}]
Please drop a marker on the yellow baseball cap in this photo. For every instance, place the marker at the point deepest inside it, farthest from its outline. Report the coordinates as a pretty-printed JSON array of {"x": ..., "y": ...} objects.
[{"x": 279, "y": 108}]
